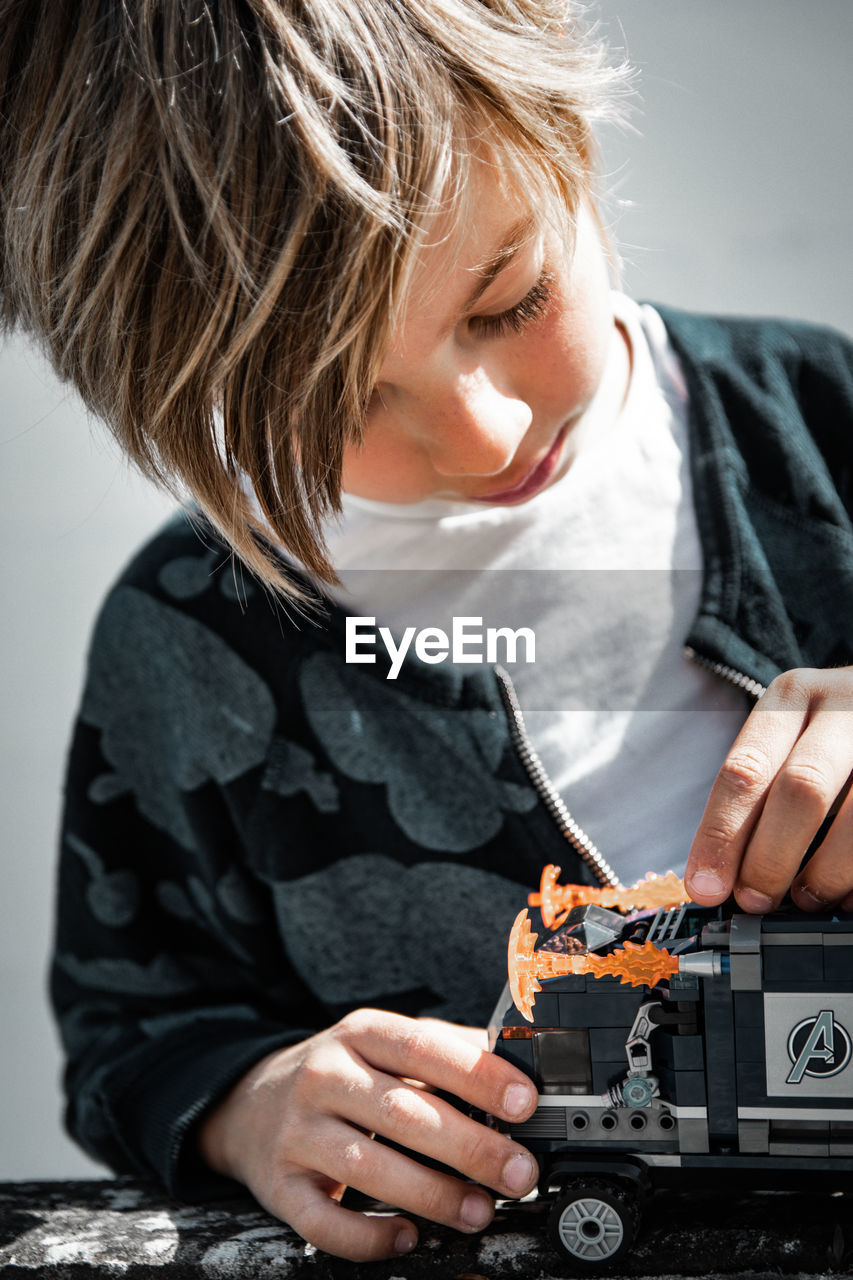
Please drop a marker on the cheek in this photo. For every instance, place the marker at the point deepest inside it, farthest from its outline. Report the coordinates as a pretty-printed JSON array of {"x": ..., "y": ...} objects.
[
  {"x": 566, "y": 358},
  {"x": 386, "y": 468}
]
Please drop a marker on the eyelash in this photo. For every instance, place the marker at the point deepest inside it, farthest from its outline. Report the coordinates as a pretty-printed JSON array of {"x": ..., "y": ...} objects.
[{"x": 516, "y": 319}]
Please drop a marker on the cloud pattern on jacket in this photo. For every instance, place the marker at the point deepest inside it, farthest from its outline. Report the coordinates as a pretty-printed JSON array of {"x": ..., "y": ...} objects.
[{"x": 422, "y": 755}]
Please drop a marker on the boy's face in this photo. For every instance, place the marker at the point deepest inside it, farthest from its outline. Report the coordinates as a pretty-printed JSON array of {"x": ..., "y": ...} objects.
[{"x": 480, "y": 400}]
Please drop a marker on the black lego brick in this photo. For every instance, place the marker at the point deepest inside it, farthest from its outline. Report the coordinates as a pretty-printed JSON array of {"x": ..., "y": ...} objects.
[
  {"x": 838, "y": 967},
  {"x": 519, "y": 1053},
  {"x": 680, "y": 1053},
  {"x": 569, "y": 982},
  {"x": 750, "y": 1045},
  {"x": 597, "y": 1009},
  {"x": 793, "y": 964},
  {"x": 720, "y": 1058},
  {"x": 749, "y": 1008},
  {"x": 604, "y": 1074},
  {"x": 546, "y": 1010},
  {"x": 610, "y": 986},
  {"x": 683, "y": 1088},
  {"x": 811, "y": 923},
  {"x": 681, "y": 986},
  {"x": 607, "y": 1044},
  {"x": 842, "y": 1130},
  {"x": 752, "y": 1085}
]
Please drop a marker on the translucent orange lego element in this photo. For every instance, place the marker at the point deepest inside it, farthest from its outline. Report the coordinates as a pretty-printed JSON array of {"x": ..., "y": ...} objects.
[
  {"x": 557, "y": 900},
  {"x": 636, "y": 964}
]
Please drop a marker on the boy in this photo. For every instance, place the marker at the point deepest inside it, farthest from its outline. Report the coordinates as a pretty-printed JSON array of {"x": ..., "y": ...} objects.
[{"x": 192, "y": 944}]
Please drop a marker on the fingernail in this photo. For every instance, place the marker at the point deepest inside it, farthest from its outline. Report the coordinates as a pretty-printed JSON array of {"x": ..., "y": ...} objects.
[
  {"x": 754, "y": 902},
  {"x": 707, "y": 883},
  {"x": 519, "y": 1174},
  {"x": 406, "y": 1240},
  {"x": 809, "y": 901},
  {"x": 476, "y": 1212},
  {"x": 518, "y": 1099}
]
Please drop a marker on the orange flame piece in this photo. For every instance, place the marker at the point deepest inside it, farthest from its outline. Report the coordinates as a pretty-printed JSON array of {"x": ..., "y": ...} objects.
[
  {"x": 527, "y": 966},
  {"x": 557, "y": 900},
  {"x": 635, "y": 964}
]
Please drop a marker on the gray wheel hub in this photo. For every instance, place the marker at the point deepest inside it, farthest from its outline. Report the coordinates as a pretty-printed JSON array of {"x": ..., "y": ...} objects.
[{"x": 591, "y": 1229}]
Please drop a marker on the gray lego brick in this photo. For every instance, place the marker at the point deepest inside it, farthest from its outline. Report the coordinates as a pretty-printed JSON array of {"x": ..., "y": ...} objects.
[
  {"x": 799, "y": 1149},
  {"x": 745, "y": 935},
  {"x": 693, "y": 1136},
  {"x": 753, "y": 1136},
  {"x": 745, "y": 970},
  {"x": 546, "y": 1122},
  {"x": 716, "y": 933}
]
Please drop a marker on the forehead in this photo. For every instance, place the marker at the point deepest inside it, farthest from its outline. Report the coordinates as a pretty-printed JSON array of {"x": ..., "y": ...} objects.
[
  {"x": 486, "y": 223},
  {"x": 463, "y": 248}
]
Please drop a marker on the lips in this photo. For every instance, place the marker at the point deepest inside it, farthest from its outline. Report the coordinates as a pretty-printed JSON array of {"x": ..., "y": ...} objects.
[{"x": 532, "y": 481}]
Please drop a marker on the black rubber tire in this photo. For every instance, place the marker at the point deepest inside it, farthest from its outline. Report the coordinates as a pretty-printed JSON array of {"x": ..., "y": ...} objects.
[{"x": 593, "y": 1223}]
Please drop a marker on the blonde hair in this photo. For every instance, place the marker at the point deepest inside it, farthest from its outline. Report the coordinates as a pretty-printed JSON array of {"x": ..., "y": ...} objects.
[{"x": 209, "y": 209}]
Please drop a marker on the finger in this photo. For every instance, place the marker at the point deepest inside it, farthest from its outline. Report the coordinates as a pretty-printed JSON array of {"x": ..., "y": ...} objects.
[
  {"x": 432, "y": 1051},
  {"x": 432, "y": 1127},
  {"x": 306, "y": 1204},
  {"x": 347, "y": 1155},
  {"x": 798, "y": 801},
  {"x": 477, "y": 1036},
  {"x": 739, "y": 793},
  {"x": 828, "y": 875}
]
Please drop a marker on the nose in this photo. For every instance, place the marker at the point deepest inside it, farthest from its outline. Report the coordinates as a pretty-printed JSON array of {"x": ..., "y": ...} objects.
[{"x": 473, "y": 427}]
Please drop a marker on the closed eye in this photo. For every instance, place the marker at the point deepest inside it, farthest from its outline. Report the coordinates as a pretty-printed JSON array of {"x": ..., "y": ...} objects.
[{"x": 517, "y": 318}]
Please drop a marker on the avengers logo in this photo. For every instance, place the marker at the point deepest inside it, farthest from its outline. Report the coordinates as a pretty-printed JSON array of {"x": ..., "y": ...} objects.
[{"x": 819, "y": 1047}]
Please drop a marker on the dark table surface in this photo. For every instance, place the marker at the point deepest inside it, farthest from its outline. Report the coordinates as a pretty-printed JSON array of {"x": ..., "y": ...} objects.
[{"x": 125, "y": 1228}]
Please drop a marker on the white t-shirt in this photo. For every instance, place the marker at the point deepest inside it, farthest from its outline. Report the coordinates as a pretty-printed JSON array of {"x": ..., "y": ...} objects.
[{"x": 605, "y": 567}]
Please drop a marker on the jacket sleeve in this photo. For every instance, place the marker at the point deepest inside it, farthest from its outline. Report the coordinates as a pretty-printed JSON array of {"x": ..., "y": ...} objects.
[{"x": 168, "y": 977}]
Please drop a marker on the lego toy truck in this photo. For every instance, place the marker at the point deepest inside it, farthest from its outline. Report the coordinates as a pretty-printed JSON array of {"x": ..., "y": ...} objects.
[{"x": 737, "y": 1063}]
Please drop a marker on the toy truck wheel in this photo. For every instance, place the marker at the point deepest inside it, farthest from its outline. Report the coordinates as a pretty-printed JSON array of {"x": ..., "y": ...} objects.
[{"x": 594, "y": 1223}]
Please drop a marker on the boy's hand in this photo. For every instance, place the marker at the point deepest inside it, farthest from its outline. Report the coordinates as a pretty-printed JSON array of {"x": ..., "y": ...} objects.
[
  {"x": 297, "y": 1130},
  {"x": 789, "y": 768}
]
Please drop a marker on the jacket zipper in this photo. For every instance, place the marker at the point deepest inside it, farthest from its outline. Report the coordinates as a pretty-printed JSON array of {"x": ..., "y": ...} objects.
[
  {"x": 545, "y": 788},
  {"x": 754, "y": 688},
  {"x": 569, "y": 829}
]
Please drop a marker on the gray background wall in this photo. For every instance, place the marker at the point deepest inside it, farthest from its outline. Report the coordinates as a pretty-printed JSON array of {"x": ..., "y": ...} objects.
[{"x": 735, "y": 195}]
